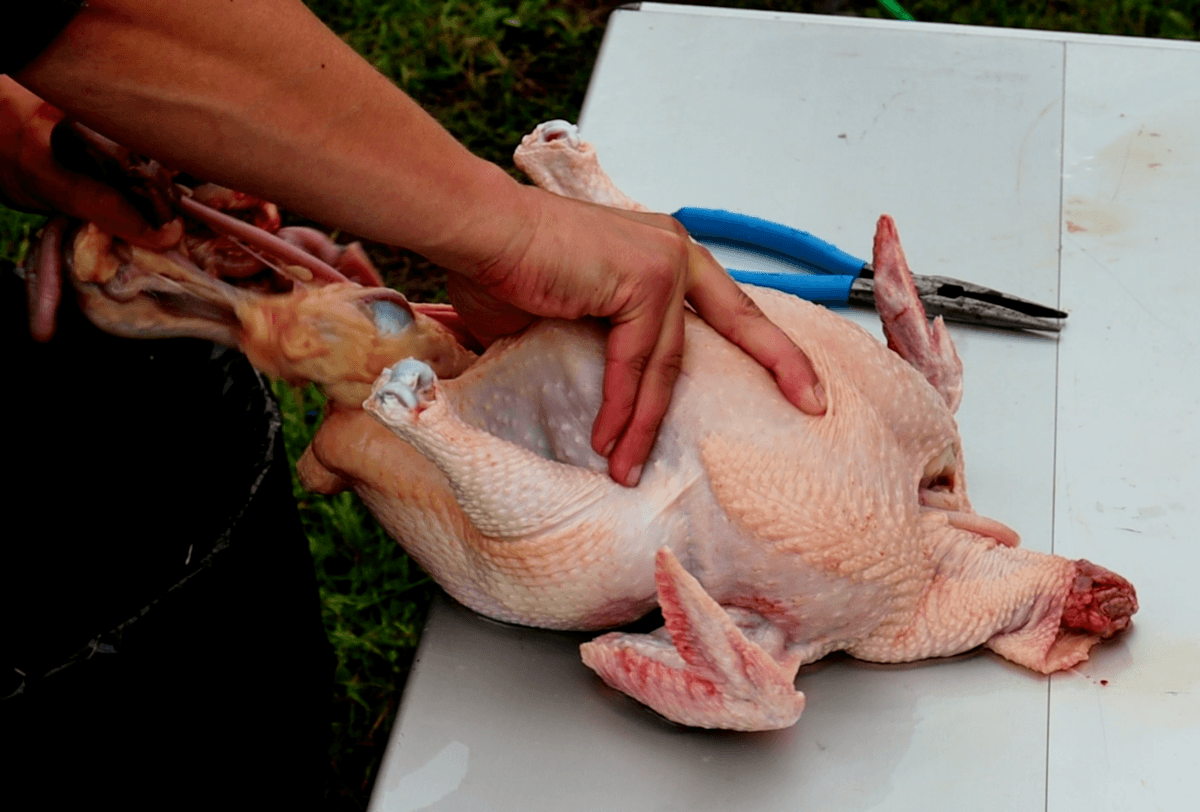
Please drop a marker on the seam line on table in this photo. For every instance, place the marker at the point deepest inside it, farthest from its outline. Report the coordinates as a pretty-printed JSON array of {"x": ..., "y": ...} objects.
[{"x": 1062, "y": 150}]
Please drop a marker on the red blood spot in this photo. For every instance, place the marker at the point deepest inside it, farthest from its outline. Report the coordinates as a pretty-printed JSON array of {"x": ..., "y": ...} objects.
[
  {"x": 766, "y": 607},
  {"x": 1104, "y": 682},
  {"x": 698, "y": 687},
  {"x": 1154, "y": 166},
  {"x": 645, "y": 675}
]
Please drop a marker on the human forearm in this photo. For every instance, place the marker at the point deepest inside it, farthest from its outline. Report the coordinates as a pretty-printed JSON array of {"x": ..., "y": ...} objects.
[{"x": 261, "y": 96}]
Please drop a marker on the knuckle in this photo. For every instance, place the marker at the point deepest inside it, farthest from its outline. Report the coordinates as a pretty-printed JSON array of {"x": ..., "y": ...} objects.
[
  {"x": 636, "y": 364},
  {"x": 677, "y": 227},
  {"x": 745, "y": 317},
  {"x": 669, "y": 240},
  {"x": 745, "y": 308},
  {"x": 655, "y": 284},
  {"x": 671, "y": 366},
  {"x": 620, "y": 380},
  {"x": 681, "y": 242},
  {"x": 673, "y": 252}
]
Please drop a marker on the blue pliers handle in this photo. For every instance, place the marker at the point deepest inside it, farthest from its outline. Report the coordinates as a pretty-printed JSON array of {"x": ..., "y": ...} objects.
[
  {"x": 839, "y": 278},
  {"x": 833, "y": 270},
  {"x": 812, "y": 252}
]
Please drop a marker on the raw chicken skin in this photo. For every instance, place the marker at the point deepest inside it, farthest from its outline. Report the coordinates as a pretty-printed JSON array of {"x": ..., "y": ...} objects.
[
  {"x": 806, "y": 532},
  {"x": 769, "y": 538},
  {"x": 337, "y": 335}
]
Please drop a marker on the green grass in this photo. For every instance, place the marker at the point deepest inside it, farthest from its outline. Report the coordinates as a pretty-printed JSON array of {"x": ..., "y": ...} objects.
[
  {"x": 1134, "y": 18},
  {"x": 373, "y": 599},
  {"x": 489, "y": 72},
  {"x": 16, "y": 232}
]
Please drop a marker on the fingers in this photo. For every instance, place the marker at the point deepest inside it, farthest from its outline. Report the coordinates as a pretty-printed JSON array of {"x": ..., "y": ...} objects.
[
  {"x": 90, "y": 200},
  {"x": 645, "y": 351},
  {"x": 637, "y": 270},
  {"x": 720, "y": 302},
  {"x": 724, "y": 305},
  {"x": 643, "y": 356},
  {"x": 642, "y": 362},
  {"x": 43, "y": 281},
  {"x": 45, "y": 183}
]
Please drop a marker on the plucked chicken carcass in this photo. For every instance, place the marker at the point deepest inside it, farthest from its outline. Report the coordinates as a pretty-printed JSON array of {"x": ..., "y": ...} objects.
[{"x": 768, "y": 538}]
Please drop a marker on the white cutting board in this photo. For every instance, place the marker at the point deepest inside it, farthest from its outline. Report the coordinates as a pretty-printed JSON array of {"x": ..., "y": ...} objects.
[{"x": 1060, "y": 168}]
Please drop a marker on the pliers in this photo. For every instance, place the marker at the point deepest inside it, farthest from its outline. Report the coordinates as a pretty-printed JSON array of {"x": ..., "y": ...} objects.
[{"x": 839, "y": 278}]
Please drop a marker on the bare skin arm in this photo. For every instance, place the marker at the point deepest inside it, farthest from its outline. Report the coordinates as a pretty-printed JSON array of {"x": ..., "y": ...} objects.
[
  {"x": 259, "y": 95},
  {"x": 31, "y": 178}
]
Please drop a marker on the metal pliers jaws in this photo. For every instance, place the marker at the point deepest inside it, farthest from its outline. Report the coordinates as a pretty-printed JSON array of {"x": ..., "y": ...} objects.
[{"x": 838, "y": 278}]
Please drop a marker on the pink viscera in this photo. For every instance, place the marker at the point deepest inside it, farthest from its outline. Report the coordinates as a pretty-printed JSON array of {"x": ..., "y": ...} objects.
[{"x": 258, "y": 238}]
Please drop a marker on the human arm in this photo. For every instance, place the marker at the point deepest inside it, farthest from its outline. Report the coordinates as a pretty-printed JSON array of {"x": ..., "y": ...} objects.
[
  {"x": 260, "y": 96},
  {"x": 31, "y": 179}
]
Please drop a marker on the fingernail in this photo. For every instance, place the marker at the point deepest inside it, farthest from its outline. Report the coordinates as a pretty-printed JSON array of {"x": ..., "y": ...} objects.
[
  {"x": 813, "y": 401},
  {"x": 634, "y": 476},
  {"x": 608, "y": 448}
]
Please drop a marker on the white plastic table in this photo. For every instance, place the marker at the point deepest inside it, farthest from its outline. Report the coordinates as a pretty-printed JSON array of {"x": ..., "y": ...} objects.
[{"x": 1061, "y": 168}]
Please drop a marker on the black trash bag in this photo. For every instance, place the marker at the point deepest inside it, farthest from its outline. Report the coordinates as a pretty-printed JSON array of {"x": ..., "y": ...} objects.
[{"x": 162, "y": 619}]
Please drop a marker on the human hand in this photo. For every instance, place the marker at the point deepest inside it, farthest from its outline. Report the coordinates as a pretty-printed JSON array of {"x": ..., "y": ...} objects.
[
  {"x": 31, "y": 179},
  {"x": 636, "y": 270}
]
